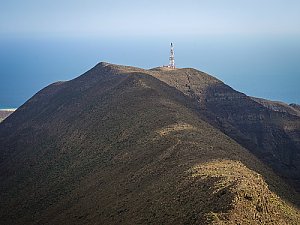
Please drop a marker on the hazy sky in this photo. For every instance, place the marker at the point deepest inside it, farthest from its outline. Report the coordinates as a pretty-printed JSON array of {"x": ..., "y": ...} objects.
[
  {"x": 77, "y": 18},
  {"x": 251, "y": 45}
]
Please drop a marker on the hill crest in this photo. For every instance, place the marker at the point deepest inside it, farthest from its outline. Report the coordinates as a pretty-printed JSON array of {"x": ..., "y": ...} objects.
[{"x": 125, "y": 145}]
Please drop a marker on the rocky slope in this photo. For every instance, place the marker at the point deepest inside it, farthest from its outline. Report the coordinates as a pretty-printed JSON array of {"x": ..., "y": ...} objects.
[
  {"x": 270, "y": 131},
  {"x": 119, "y": 146},
  {"x": 291, "y": 109}
]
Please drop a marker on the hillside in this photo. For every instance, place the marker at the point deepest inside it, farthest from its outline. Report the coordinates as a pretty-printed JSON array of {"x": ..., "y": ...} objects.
[
  {"x": 123, "y": 145},
  {"x": 291, "y": 109},
  {"x": 269, "y": 130}
]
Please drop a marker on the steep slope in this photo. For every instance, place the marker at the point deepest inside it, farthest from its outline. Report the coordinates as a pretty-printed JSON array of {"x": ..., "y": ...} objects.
[
  {"x": 118, "y": 146},
  {"x": 278, "y": 106},
  {"x": 272, "y": 135}
]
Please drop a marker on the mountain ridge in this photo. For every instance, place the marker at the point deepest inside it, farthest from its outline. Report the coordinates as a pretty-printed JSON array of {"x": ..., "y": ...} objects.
[{"x": 119, "y": 145}]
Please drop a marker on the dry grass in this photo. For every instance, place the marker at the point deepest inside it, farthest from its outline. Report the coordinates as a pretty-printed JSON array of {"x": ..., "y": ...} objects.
[
  {"x": 176, "y": 127},
  {"x": 251, "y": 200}
]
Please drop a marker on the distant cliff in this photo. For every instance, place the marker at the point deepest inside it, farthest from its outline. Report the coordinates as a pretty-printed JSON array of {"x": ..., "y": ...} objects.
[{"x": 5, "y": 113}]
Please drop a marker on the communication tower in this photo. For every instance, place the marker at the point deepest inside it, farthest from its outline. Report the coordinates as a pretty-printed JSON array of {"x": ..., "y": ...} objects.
[{"x": 172, "y": 59}]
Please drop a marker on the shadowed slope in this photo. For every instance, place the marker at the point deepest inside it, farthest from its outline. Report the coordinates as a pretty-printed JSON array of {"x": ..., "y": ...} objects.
[
  {"x": 273, "y": 135},
  {"x": 279, "y": 106},
  {"x": 118, "y": 146}
]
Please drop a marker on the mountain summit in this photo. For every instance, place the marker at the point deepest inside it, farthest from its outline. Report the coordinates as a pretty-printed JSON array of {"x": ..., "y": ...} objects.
[{"x": 124, "y": 145}]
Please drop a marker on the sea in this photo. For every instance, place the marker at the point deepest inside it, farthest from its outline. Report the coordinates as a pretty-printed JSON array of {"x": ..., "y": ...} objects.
[{"x": 265, "y": 67}]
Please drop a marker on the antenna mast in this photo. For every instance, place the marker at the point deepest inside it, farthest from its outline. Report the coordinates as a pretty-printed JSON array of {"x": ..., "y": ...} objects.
[{"x": 172, "y": 59}]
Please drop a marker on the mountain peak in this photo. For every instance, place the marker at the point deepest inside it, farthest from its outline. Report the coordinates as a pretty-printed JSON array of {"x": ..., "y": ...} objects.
[
  {"x": 125, "y": 145},
  {"x": 103, "y": 64}
]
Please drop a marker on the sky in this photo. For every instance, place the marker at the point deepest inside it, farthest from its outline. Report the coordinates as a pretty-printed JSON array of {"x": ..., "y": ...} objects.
[{"x": 253, "y": 46}]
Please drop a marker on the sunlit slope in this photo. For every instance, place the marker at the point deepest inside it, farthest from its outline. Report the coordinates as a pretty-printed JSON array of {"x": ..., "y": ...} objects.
[
  {"x": 269, "y": 130},
  {"x": 118, "y": 146}
]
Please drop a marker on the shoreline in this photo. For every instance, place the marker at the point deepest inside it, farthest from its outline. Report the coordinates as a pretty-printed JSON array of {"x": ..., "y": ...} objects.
[{"x": 9, "y": 109}]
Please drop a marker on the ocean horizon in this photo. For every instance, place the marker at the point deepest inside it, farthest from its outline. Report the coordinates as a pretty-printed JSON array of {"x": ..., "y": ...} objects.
[{"x": 261, "y": 67}]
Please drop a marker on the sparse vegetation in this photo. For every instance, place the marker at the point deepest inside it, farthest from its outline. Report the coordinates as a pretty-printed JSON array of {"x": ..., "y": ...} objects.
[
  {"x": 270, "y": 130},
  {"x": 246, "y": 192},
  {"x": 118, "y": 146}
]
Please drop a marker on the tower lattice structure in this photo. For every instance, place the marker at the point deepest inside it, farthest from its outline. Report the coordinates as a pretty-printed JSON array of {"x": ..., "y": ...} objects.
[{"x": 172, "y": 58}]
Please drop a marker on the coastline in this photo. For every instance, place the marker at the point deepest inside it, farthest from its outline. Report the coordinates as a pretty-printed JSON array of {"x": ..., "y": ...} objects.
[{"x": 9, "y": 109}]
